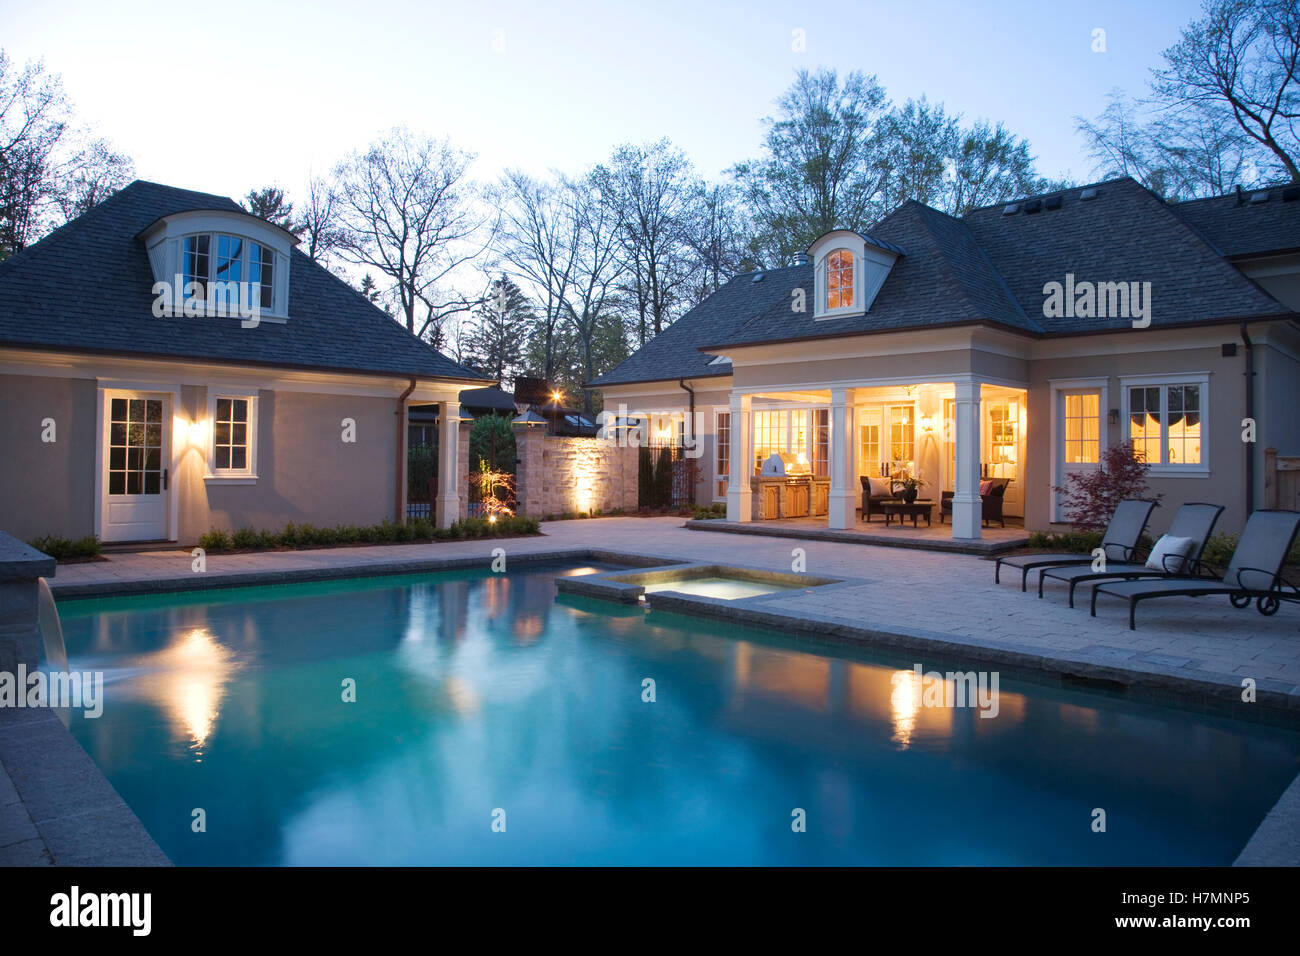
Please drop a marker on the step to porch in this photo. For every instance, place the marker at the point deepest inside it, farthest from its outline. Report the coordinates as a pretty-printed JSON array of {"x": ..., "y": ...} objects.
[{"x": 996, "y": 540}]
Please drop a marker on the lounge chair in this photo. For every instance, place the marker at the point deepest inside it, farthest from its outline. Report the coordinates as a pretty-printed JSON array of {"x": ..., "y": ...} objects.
[
  {"x": 1119, "y": 542},
  {"x": 1255, "y": 571},
  {"x": 1194, "y": 521}
]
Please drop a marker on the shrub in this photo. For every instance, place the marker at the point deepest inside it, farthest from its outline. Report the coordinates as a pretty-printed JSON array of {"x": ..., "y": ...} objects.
[
  {"x": 1218, "y": 551},
  {"x": 663, "y": 478},
  {"x": 65, "y": 549},
  {"x": 1090, "y": 498},
  {"x": 306, "y": 535},
  {"x": 215, "y": 540},
  {"x": 246, "y": 538},
  {"x": 487, "y": 433},
  {"x": 1071, "y": 541}
]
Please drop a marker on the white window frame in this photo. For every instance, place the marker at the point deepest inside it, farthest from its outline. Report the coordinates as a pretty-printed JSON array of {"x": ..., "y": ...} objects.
[
  {"x": 821, "y": 277},
  {"x": 1164, "y": 469},
  {"x": 278, "y": 261},
  {"x": 718, "y": 412},
  {"x": 232, "y": 476}
]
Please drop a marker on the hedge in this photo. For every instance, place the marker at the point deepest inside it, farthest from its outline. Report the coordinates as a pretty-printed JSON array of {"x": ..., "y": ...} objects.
[{"x": 417, "y": 529}]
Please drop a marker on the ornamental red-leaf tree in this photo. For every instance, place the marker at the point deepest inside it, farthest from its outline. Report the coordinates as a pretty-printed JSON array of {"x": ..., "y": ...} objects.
[{"x": 1089, "y": 498}]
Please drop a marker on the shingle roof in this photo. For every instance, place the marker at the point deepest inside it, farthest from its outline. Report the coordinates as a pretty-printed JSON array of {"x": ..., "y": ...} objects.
[
  {"x": 1125, "y": 234},
  {"x": 1240, "y": 227},
  {"x": 986, "y": 267},
  {"x": 88, "y": 287}
]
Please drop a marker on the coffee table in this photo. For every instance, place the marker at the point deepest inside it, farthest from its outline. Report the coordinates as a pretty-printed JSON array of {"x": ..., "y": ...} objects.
[{"x": 901, "y": 509}]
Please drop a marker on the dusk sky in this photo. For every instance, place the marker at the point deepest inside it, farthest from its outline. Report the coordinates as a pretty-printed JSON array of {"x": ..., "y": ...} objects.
[{"x": 229, "y": 97}]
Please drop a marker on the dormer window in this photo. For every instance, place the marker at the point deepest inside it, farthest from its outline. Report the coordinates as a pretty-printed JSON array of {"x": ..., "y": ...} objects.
[
  {"x": 839, "y": 279},
  {"x": 231, "y": 261},
  {"x": 849, "y": 270},
  {"x": 239, "y": 264}
]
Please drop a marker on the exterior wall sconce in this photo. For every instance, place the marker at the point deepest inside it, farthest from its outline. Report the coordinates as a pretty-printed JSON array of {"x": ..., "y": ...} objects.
[
  {"x": 927, "y": 423},
  {"x": 1113, "y": 417}
]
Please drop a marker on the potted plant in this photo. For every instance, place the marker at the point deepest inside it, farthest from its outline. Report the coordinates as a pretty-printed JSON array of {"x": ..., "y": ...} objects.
[{"x": 910, "y": 484}]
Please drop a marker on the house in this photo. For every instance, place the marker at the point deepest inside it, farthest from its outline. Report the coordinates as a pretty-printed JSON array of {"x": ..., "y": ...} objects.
[
  {"x": 170, "y": 364},
  {"x": 1014, "y": 343}
]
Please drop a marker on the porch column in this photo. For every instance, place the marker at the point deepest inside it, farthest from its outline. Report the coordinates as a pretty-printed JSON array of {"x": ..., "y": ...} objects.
[
  {"x": 966, "y": 505},
  {"x": 843, "y": 463},
  {"x": 448, "y": 504},
  {"x": 739, "y": 495}
]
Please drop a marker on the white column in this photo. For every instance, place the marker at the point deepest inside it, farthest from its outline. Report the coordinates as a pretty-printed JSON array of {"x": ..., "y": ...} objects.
[
  {"x": 448, "y": 504},
  {"x": 966, "y": 506},
  {"x": 739, "y": 494},
  {"x": 843, "y": 495}
]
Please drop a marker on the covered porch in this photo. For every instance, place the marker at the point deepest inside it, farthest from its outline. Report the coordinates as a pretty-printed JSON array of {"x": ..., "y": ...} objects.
[{"x": 920, "y": 461}]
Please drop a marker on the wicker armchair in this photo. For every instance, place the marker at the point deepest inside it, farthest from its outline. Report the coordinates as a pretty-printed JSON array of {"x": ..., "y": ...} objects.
[
  {"x": 871, "y": 502},
  {"x": 991, "y": 503}
]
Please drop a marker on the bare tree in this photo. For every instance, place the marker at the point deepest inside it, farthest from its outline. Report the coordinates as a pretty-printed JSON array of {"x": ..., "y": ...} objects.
[
  {"x": 90, "y": 176},
  {"x": 715, "y": 232},
  {"x": 590, "y": 303},
  {"x": 1242, "y": 54},
  {"x": 50, "y": 169},
  {"x": 648, "y": 189},
  {"x": 407, "y": 209},
  {"x": 1220, "y": 112},
  {"x": 539, "y": 246},
  {"x": 318, "y": 225}
]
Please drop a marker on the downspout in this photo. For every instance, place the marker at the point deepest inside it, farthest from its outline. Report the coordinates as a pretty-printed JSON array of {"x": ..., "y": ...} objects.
[
  {"x": 1250, "y": 413},
  {"x": 691, "y": 422},
  {"x": 399, "y": 496}
]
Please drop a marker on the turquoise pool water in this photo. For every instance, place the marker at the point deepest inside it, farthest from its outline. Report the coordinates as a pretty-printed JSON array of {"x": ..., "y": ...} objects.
[{"x": 478, "y": 692}]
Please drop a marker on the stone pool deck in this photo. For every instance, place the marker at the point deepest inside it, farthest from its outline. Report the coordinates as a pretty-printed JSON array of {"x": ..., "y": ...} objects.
[{"x": 934, "y": 605}]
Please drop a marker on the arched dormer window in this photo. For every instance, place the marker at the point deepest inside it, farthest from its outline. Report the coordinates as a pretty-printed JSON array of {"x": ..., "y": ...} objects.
[
  {"x": 849, "y": 269},
  {"x": 233, "y": 262},
  {"x": 228, "y": 261},
  {"x": 839, "y": 280}
]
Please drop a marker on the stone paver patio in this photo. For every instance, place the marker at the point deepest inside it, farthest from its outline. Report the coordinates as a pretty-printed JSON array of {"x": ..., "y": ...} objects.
[{"x": 945, "y": 598}]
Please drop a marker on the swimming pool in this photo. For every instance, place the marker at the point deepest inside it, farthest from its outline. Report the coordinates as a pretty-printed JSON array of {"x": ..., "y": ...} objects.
[{"x": 478, "y": 693}]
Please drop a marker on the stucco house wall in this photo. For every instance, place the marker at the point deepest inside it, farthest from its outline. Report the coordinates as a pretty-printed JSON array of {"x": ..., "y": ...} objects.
[{"x": 47, "y": 488}]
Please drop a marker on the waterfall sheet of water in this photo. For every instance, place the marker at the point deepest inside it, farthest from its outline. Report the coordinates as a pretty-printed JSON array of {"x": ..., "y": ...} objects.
[{"x": 56, "y": 652}]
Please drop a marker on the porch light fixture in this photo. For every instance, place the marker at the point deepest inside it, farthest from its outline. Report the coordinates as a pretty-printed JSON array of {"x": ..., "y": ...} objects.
[
  {"x": 927, "y": 423},
  {"x": 195, "y": 433},
  {"x": 1113, "y": 417}
]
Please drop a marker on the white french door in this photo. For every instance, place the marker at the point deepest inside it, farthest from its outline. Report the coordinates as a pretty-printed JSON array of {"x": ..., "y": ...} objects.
[
  {"x": 135, "y": 497},
  {"x": 1078, "y": 437}
]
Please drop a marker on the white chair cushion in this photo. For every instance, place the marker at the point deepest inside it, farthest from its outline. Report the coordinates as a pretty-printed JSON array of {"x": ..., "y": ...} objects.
[
  {"x": 1177, "y": 550},
  {"x": 881, "y": 487}
]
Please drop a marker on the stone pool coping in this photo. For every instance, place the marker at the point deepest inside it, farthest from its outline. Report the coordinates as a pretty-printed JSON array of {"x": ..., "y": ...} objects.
[
  {"x": 628, "y": 586},
  {"x": 1131, "y": 675},
  {"x": 56, "y": 806}
]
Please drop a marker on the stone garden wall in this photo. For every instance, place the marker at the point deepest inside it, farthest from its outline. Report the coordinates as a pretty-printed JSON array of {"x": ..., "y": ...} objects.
[{"x": 568, "y": 475}]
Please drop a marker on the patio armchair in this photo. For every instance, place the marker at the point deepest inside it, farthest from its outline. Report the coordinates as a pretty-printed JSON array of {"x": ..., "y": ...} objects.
[
  {"x": 990, "y": 501},
  {"x": 1192, "y": 526},
  {"x": 875, "y": 492},
  {"x": 1119, "y": 543},
  {"x": 1254, "y": 573}
]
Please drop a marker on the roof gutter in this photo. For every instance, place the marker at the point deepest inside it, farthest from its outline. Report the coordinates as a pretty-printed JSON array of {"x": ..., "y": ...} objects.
[{"x": 399, "y": 494}]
